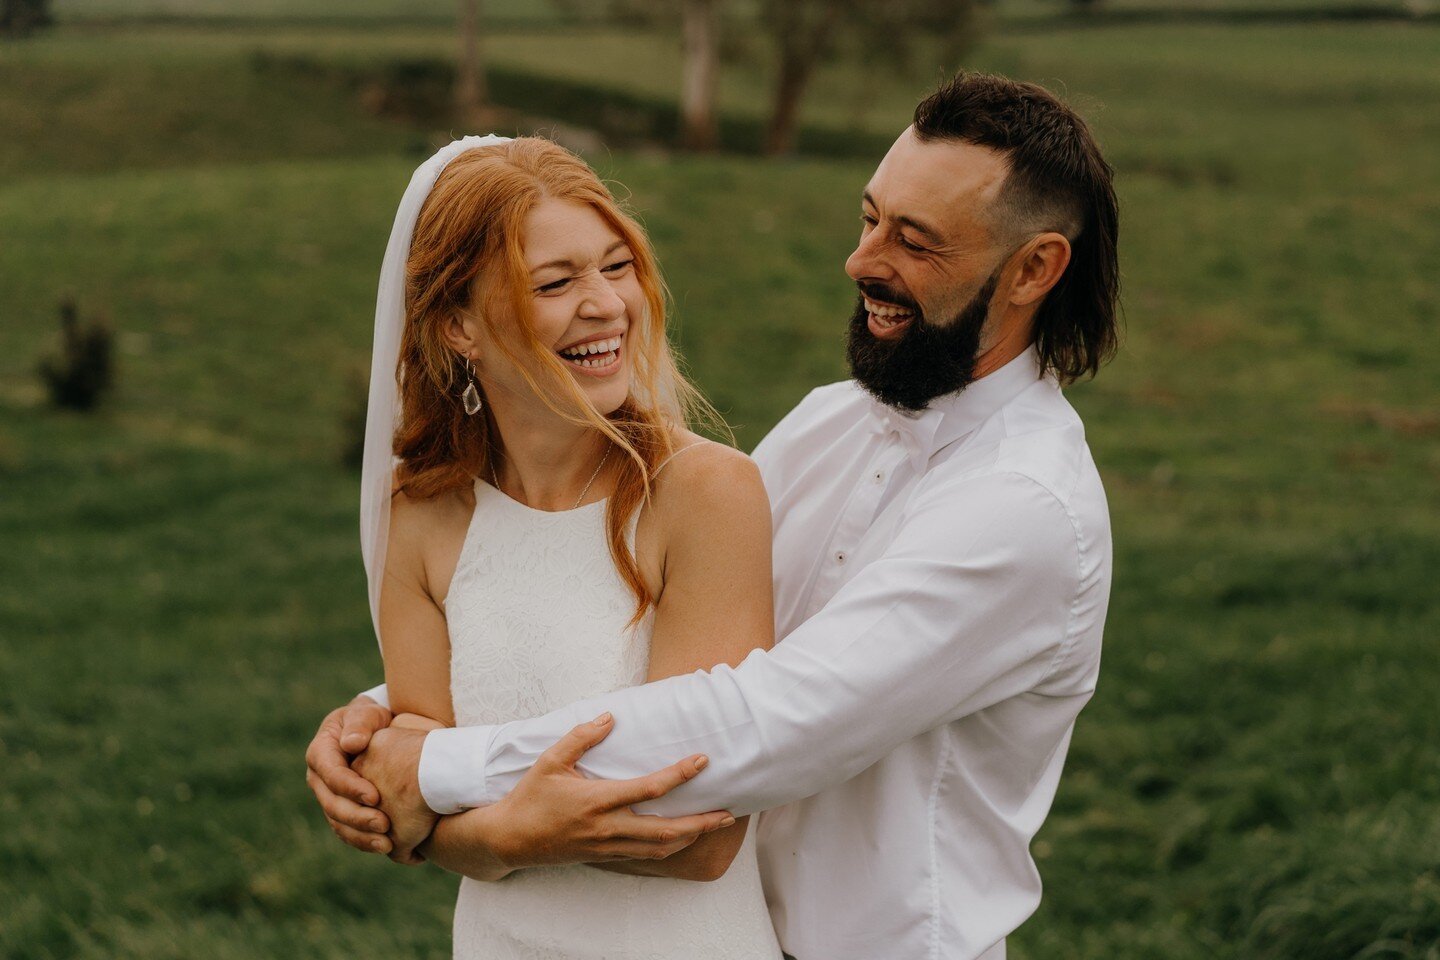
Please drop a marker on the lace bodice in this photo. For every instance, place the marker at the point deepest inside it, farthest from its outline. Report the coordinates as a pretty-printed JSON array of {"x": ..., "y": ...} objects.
[{"x": 537, "y": 616}]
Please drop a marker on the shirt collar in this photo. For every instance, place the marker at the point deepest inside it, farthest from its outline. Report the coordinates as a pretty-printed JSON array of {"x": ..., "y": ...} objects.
[{"x": 954, "y": 415}]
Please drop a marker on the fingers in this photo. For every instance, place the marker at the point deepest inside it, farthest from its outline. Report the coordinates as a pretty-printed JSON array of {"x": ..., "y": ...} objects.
[
  {"x": 326, "y": 760},
  {"x": 635, "y": 826},
  {"x": 567, "y": 751},
  {"x": 623, "y": 793},
  {"x": 638, "y": 850},
  {"x": 365, "y": 842},
  {"x": 359, "y": 721},
  {"x": 343, "y": 810},
  {"x": 332, "y": 768}
]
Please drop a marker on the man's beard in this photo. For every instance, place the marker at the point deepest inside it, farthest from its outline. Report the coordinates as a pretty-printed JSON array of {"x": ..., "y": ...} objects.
[{"x": 929, "y": 360}]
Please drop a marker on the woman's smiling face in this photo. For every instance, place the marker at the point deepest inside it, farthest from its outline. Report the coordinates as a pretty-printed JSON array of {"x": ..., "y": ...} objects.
[{"x": 584, "y": 298}]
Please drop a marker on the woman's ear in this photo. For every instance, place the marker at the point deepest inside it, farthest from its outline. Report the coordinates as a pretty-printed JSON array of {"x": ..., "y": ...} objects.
[{"x": 461, "y": 333}]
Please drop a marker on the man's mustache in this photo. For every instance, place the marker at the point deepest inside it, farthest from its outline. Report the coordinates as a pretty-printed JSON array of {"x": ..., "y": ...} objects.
[{"x": 883, "y": 294}]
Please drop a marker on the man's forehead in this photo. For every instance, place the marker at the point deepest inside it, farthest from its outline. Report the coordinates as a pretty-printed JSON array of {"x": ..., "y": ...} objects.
[{"x": 941, "y": 181}]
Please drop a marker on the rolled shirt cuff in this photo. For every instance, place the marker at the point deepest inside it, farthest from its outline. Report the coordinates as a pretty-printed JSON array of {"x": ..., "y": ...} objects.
[
  {"x": 452, "y": 768},
  {"x": 380, "y": 695}
]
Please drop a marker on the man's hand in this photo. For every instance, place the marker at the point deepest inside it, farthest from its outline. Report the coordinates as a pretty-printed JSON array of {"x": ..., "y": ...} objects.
[
  {"x": 392, "y": 764},
  {"x": 347, "y": 798},
  {"x": 556, "y": 815}
]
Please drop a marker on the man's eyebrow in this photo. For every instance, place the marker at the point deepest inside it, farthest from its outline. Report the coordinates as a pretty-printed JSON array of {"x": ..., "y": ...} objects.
[
  {"x": 570, "y": 264},
  {"x": 918, "y": 226}
]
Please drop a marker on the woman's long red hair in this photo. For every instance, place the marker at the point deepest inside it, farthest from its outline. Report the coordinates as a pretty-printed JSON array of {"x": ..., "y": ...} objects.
[{"x": 472, "y": 226}]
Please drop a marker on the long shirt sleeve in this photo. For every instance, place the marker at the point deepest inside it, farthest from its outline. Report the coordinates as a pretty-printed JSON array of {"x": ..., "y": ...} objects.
[{"x": 974, "y": 601}]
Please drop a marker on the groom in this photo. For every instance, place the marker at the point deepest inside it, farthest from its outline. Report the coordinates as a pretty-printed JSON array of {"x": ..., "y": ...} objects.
[{"x": 942, "y": 571}]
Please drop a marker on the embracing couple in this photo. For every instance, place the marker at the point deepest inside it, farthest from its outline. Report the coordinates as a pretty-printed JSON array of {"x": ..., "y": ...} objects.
[{"x": 597, "y": 690}]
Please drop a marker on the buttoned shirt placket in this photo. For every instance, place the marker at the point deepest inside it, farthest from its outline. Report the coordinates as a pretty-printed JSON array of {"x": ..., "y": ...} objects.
[{"x": 898, "y": 443}]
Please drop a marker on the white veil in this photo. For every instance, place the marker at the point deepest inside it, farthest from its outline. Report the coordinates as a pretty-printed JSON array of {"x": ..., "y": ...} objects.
[{"x": 383, "y": 413}]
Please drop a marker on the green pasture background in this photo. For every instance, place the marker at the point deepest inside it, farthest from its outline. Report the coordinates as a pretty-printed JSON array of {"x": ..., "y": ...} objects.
[{"x": 181, "y": 596}]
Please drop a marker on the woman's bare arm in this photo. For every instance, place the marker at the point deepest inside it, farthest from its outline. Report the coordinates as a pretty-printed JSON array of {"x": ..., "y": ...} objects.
[
  {"x": 414, "y": 639},
  {"x": 716, "y": 606}
]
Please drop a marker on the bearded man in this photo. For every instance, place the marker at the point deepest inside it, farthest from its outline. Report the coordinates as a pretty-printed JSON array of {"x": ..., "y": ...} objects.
[{"x": 942, "y": 572}]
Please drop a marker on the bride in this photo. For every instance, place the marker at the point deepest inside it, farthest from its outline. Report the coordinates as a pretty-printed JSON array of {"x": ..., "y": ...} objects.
[{"x": 549, "y": 529}]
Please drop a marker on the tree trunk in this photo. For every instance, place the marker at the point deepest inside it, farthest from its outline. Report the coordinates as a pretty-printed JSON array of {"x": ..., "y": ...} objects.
[
  {"x": 471, "y": 99},
  {"x": 795, "y": 72},
  {"x": 699, "y": 127},
  {"x": 802, "y": 35}
]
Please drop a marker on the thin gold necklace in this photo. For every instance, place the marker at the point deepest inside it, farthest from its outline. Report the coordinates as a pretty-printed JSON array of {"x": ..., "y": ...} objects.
[{"x": 495, "y": 480}]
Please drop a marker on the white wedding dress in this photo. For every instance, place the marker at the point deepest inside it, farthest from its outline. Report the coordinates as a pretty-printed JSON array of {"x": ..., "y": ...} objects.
[{"x": 537, "y": 616}]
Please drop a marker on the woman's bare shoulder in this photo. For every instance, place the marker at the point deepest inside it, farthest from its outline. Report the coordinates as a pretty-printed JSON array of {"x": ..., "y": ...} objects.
[
  {"x": 704, "y": 476},
  {"x": 415, "y": 521}
]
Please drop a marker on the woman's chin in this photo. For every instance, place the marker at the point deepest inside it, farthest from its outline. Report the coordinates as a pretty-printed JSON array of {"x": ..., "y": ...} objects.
[{"x": 607, "y": 395}]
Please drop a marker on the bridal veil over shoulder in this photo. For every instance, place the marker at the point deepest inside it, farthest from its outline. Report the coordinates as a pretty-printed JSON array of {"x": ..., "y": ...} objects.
[{"x": 382, "y": 415}]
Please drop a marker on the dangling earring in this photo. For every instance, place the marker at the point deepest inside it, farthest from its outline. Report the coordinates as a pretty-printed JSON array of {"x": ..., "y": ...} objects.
[{"x": 470, "y": 397}]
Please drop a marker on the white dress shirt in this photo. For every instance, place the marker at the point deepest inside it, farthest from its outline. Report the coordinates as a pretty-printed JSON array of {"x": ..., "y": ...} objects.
[{"x": 941, "y": 584}]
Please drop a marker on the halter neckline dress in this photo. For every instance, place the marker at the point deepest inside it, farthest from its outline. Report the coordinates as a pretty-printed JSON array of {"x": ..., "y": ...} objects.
[{"x": 537, "y": 616}]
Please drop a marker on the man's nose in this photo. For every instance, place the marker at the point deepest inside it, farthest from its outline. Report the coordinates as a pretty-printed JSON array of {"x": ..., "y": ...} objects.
[{"x": 868, "y": 262}]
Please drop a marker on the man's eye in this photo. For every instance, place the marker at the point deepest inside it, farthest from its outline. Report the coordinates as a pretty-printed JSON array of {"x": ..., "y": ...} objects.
[
  {"x": 553, "y": 286},
  {"x": 618, "y": 267},
  {"x": 867, "y": 219},
  {"x": 911, "y": 246}
]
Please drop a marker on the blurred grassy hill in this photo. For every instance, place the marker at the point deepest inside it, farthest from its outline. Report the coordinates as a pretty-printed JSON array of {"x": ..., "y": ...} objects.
[{"x": 181, "y": 596}]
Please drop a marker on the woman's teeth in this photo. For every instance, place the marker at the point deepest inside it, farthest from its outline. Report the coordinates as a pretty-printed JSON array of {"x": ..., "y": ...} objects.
[{"x": 596, "y": 353}]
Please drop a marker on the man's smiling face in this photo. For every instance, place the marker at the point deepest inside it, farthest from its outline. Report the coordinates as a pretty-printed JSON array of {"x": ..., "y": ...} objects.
[{"x": 927, "y": 267}]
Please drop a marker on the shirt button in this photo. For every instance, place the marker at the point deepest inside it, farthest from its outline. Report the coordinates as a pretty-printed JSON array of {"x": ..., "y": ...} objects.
[
  {"x": 840, "y": 556},
  {"x": 879, "y": 476}
]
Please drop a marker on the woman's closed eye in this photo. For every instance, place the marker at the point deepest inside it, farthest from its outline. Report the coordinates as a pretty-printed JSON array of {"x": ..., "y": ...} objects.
[
  {"x": 610, "y": 269},
  {"x": 554, "y": 285}
]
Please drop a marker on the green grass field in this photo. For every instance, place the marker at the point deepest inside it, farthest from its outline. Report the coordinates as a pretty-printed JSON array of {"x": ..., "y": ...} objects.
[{"x": 181, "y": 596}]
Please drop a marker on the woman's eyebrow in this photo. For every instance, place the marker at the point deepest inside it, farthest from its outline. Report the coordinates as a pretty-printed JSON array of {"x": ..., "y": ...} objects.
[{"x": 571, "y": 264}]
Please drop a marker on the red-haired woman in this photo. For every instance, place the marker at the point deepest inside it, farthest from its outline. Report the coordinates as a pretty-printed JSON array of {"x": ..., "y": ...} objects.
[{"x": 556, "y": 531}]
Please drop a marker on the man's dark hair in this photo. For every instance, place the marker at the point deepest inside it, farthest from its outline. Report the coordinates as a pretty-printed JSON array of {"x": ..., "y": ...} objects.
[{"x": 1057, "y": 181}]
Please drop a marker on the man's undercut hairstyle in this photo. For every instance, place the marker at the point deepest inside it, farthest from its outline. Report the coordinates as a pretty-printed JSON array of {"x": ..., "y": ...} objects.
[{"x": 1058, "y": 181}]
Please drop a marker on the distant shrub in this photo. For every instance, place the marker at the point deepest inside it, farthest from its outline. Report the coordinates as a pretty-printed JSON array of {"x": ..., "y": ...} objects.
[
  {"x": 85, "y": 368},
  {"x": 19, "y": 18},
  {"x": 352, "y": 421}
]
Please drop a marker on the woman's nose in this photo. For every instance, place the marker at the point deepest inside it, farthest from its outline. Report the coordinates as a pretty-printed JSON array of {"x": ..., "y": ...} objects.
[{"x": 601, "y": 302}]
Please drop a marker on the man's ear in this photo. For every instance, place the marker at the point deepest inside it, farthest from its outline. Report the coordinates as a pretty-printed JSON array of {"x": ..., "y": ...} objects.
[{"x": 1039, "y": 266}]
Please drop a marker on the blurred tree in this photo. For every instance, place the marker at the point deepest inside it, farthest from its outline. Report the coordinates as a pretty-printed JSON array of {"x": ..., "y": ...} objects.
[
  {"x": 879, "y": 34},
  {"x": 472, "y": 99},
  {"x": 699, "y": 25},
  {"x": 803, "y": 32},
  {"x": 19, "y": 18},
  {"x": 700, "y": 80},
  {"x": 85, "y": 368}
]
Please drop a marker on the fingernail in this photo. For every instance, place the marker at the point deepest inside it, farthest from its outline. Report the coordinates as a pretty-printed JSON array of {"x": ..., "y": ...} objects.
[
  {"x": 377, "y": 845},
  {"x": 701, "y": 762},
  {"x": 377, "y": 827},
  {"x": 727, "y": 822},
  {"x": 603, "y": 719}
]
